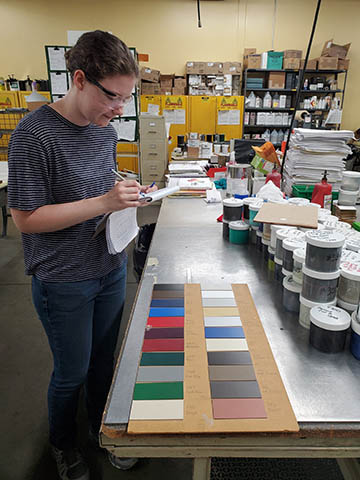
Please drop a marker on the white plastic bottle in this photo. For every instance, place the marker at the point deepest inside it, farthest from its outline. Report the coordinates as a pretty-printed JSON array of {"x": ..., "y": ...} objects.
[
  {"x": 251, "y": 100},
  {"x": 267, "y": 100},
  {"x": 274, "y": 136}
]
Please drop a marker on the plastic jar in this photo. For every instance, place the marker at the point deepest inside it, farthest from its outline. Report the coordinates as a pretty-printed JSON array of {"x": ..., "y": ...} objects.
[
  {"x": 298, "y": 259},
  {"x": 347, "y": 197},
  {"x": 328, "y": 328},
  {"x": 259, "y": 245},
  {"x": 225, "y": 229},
  {"x": 305, "y": 307},
  {"x": 349, "y": 256},
  {"x": 232, "y": 209},
  {"x": 252, "y": 234},
  {"x": 274, "y": 229},
  {"x": 323, "y": 250},
  {"x": 286, "y": 273},
  {"x": 271, "y": 259},
  {"x": 246, "y": 202},
  {"x": 291, "y": 293},
  {"x": 280, "y": 236},
  {"x": 298, "y": 201},
  {"x": 253, "y": 211},
  {"x": 279, "y": 276},
  {"x": 349, "y": 282},
  {"x": 350, "y": 181},
  {"x": 239, "y": 232},
  {"x": 349, "y": 307},
  {"x": 267, "y": 231},
  {"x": 289, "y": 245},
  {"x": 330, "y": 224},
  {"x": 265, "y": 247},
  {"x": 355, "y": 337},
  {"x": 353, "y": 244},
  {"x": 319, "y": 287}
]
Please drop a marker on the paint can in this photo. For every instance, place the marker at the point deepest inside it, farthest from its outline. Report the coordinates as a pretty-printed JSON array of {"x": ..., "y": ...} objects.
[
  {"x": 298, "y": 261},
  {"x": 278, "y": 270},
  {"x": 319, "y": 287},
  {"x": 291, "y": 294},
  {"x": 328, "y": 328},
  {"x": 289, "y": 245},
  {"x": 239, "y": 232},
  {"x": 305, "y": 308},
  {"x": 349, "y": 282},
  {"x": 253, "y": 209},
  {"x": 323, "y": 250},
  {"x": 232, "y": 209}
]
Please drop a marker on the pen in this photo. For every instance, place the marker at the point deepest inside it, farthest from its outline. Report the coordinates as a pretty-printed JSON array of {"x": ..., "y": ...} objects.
[
  {"x": 117, "y": 174},
  {"x": 153, "y": 183}
]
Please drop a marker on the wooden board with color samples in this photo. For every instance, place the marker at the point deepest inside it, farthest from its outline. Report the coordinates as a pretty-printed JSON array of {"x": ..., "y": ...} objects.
[{"x": 206, "y": 366}]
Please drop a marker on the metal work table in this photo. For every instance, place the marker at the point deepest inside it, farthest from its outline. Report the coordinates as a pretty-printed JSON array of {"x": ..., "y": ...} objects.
[{"x": 324, "y": 390}]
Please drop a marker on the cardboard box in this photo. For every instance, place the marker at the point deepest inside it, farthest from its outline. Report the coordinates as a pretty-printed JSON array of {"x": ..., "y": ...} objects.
[
  {"x": 180, "y": 82},
  {"x": 149, "y": 74},
  {"x": 232, "y": 68},
  {"x": 195, "y": 68},
  {"x": 343, "y": 64},
  {"x": 254, "y": 61},
  {"x": 166, "y": 91},
  {"x": 291, "y": 63},
  {"x": 311, "y": 64},
  {"x": 178, "y": 90},
  {"x": 213, "y": 68},
  {"x": 276, "y": 80},
  {"x": 150, "y": 88},
  {"x": 331, "y": 49},
  {"x": 292, "y": 54},
  {"x": 166, "y": 80},
  {"x": 247, "y": 52},
  {"x": 328, "y": 63},
  {"x": 193, "y": 152}
]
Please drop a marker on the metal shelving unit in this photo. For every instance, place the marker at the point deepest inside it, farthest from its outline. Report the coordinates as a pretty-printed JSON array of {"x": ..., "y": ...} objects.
[{"x": 247, "y": 128}]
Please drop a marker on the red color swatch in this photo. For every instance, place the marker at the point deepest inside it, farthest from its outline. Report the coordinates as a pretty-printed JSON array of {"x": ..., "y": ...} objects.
[
  {"x": 238, "y": 408},
  {"x": 163, "y": 345},
  {"x": 165, "y": 322}
]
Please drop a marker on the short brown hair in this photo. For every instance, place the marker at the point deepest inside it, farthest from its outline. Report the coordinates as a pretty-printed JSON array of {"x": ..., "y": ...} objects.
[{"x": 100, "y": 54}]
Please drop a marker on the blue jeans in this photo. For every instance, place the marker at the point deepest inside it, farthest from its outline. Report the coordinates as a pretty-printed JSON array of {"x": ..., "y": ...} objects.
[{"x": 82, "y": 321}]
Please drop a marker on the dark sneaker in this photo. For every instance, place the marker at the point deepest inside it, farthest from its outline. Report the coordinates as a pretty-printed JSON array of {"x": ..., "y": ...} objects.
[
  {"x": 122, "y": 463},
  {"x": 70, "y": 464}
]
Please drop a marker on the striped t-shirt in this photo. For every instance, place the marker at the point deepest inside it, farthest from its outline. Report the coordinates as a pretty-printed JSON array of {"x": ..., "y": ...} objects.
[{"x": 52, "y": 161}]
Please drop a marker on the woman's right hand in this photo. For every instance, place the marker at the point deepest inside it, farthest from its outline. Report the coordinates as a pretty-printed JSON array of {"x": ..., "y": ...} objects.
[{"x": 124, "y": 194}]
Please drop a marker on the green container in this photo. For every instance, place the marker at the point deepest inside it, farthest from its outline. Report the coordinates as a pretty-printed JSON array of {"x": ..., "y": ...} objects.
[
  {"x": 306, "y": 191},
  {"x": 239, "y": 232},
  {"x": 275, "y": 60}
]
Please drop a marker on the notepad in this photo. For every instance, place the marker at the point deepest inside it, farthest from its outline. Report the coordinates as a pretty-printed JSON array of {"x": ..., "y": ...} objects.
[
  {"x": 158, "y": 194},
  {"x": 121, "y": 228}
]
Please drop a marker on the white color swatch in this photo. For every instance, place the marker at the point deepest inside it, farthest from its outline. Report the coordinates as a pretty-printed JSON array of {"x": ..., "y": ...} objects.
[
  {"x": 218, "y": 302},
  {"x": 222, "y": 322},
  {"x": 217, "y": 294},
  {"x": 157, "y": 410},
  {"x": 226, "y": 344}
]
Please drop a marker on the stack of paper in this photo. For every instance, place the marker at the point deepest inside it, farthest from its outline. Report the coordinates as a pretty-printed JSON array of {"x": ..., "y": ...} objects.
[
  {"x": 313, "y": 151},
  {"x": 191, "y": 187},
  {"x": 121, "y": 228},
  {"x": 186, "y": 168}
]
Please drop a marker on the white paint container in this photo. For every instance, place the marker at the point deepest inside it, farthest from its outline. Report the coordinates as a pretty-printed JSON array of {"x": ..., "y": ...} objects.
[
  {"x": 291, "y": 293},
  {"x": 349, "y": 256},
  {"x": 350, "y": 181},
  {"x": 323, "y": 250},
  {"x": 278, "y": 270},
  {"x": 349, "y": 282},
  {"x": 347, "y": 197},
  {"x": 319, "y": 287},
  {"x": 298, "y": 201},
  {"x": 289, "y": 245},
  {"x": 353, "y": 244},
  {"x": 280, "y": 236},
  {"x": 349, "y": 307},
  {"x": 299, "y": 259},
  {"x": 274, "y": 229},
  {"x": 232, "y": 209},
  {"x": 305, "y": 307},
  {"x": 328, "y": 328}
]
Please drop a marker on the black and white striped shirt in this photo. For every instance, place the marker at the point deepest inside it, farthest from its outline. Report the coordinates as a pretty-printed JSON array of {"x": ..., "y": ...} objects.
[{"x": 52, "y": 161}]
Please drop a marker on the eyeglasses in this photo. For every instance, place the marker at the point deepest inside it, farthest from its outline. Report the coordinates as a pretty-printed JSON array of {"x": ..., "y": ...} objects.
[{"x": 115, "y": 99}]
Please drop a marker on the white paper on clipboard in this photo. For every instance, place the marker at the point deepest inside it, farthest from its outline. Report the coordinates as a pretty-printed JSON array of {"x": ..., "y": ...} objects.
[
  {"x": 56, "y": 58},
  {"x": 58, "y": 83},
  {"x": 127, "y": 130}
]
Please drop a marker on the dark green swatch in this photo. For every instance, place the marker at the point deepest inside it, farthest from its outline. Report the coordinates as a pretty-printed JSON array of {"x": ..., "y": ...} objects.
[
  {"x": 159, "y": 391},
  {"x": 162, "y": 358}
]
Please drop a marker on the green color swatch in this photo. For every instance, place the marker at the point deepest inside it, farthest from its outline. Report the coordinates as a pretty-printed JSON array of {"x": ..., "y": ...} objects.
[
  {"x": 166, "y": 358},
  {"x": 159, "y": 391}
]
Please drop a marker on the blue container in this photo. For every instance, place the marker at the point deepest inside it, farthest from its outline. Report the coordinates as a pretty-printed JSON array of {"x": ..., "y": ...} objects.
[
  {"x": 239, "y": 232},
  {"x": 355, "y": 337}
]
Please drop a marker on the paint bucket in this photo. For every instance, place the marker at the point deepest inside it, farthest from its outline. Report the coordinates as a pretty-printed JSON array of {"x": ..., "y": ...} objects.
[
  {"x": 239, "y": 232},
  {"x": 319, "y": 287},
  {"x": 328, "y": 328},
  {"x": 253, "y": 211},
  {"x": 305, "y": 308},
  {"x": 291, "y": 294},
  {"x": 232, "y": 209},
  {"x": 323, "y": 250}
]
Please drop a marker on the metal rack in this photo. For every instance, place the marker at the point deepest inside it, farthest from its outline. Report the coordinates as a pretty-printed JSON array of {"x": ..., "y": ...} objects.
[{"x": 253, "y": 129}]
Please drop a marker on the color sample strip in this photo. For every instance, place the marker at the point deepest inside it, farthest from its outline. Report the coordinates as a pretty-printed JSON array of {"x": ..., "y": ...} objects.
[
  {"x": 166, "y": 312},
  {"x": 163, "y": 345},
  {"x": 161, "y": 322},
  {"x": 159, "y": 388},
  {"x": 222, "y": 322},
  {"x": 219, "y": 302},
  {"x": 231, "y": 372},
  {"x": 226, "y": 345},
  {"x": 242, "y": 389},
  {"x": 169, "y": 286},
  {"x": 224, "y": 332},
  {"x": 160, "y": 374},
  {"x": 164, "y": 333},
  {"x": 167, "y": 302},
  {"x": 159, "y": 391},
  {"x": 162, "y": 358},
  {"x": 229, "y": 358},
  {"x": 157, "y": 410},
  {"x": 217, "y": 294},
  {"x": 238, "y": 408}
]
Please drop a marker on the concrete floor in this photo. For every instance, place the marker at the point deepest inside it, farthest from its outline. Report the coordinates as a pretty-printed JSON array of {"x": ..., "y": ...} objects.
[{"x": 25, "y": 367}]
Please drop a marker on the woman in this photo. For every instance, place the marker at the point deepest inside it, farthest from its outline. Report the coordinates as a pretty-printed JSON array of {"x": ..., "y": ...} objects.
[{"x": 60, "y": 186}]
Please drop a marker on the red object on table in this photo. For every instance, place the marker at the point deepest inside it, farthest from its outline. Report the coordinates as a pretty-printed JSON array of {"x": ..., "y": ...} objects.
[
  {"x": 275, "y": 177},
  {"x": 322, "y": 194},
  {"x": 211, "y": 172}
]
